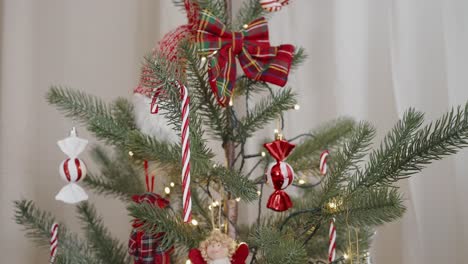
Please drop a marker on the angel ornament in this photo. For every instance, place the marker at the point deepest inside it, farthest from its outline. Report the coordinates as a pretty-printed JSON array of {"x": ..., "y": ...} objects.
[{"x": 219, "y": 248}]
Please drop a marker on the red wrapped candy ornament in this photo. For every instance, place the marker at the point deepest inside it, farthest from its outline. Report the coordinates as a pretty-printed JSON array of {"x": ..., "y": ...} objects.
[{"x": 280, "y": 174}]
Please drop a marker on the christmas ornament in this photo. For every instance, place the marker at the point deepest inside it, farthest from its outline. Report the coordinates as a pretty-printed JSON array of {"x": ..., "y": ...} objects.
[
  {"x": 279, "y": 174},
  {"x": 219, "y": 248},
  {"x": 72, "y": 169},
  {"x": 185, "y": 132},
  {"x": 273, "y": 5},
  {"x": 323, "y": 167},
  {"x": 53, "y": 242},
  {"x": 332, "y": 246},
  {"x": 259, "y": 60},
  {"x": 148, "y": 91},
  {"x": 146, "y": 248}
]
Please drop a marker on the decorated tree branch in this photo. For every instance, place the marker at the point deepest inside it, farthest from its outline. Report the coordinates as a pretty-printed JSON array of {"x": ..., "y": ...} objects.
[{"x": 217, "y": 79}]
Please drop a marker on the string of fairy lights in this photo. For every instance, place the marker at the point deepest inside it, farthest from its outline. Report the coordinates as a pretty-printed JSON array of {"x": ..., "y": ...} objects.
[{"x": 302, "y": 181}]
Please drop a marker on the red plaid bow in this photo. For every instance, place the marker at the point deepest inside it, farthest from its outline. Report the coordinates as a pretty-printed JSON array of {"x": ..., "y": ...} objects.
[{"x": 258, "y": 59}]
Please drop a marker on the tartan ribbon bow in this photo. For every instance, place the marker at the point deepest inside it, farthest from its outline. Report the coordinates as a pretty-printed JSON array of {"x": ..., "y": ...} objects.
[{"x": 259, "y": 60}]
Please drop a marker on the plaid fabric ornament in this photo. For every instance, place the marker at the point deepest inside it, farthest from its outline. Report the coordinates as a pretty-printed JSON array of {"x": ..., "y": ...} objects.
[
  {"x": 146, "y": 248},
  {"x": 259, "y": 60}
]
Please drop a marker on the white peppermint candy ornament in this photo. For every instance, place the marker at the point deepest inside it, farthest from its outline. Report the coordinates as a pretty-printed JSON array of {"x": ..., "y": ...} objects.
[{"x": 72, "y": 169}]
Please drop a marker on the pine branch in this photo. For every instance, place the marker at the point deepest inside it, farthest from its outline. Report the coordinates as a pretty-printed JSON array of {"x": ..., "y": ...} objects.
[
  {"x": 93, "y": 112},
  {"x": 149, "y": 148},
  {"x": 317, "y": 248},
  {"x": 199, "y": 206},
  {"x": 299, "y": 58},
  {"x": 77, "y": 105},
  {"x": 171, "y": 109},
  {"x": 117, "y": 178},
  {"x": 157, "y": 220},
  {"x": 123, "y": 112},
  {"x": 406, "y": 151},
  {"x": 347, "y": 159},
  {"x": 250, "y": 10},
  {"x": 277, "y": 248},
  {"x": 106, "y": 248},
  {"x": 237, "y": 185},
  {"x": 267, "y": 110},
  {"x": 208, "y": 107},
  {"x": 372, "y": 207},
  {"x": 216, "y": 7},
  {"x": 306, "y": 155},
  {"x": 37, "y": 226}
]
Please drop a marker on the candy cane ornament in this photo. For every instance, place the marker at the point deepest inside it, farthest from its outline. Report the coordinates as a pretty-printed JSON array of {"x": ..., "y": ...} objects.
[
  {"x": 185, "y": 132},
  {"x": 53, "y": 242},
  {"x": 332, "y": 246},
  {"x": 323, "y": 162},
  {"x": 273, "y": 5}
]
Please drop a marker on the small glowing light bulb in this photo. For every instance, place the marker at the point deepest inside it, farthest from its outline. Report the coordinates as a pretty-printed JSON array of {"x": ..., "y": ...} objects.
[
  {"x": 231, "y": 103},
  {"x": 203, "y": 59},
  {"x": 263, "y": 154},
  {"x": 301, "y": 181},
  {"x": 332, "y": 205},
  {"x": 130, "y": 153},
  {"x": 238, "y": 199},
  {"x": 194, "y": 222},
  {"x": 215, "y": 52},
  {"x": 245, "y": 26},
  {"x": 259, "y": 193},
  {"x": 167, "y": 190},
  {"x": 172, "y": 184},
  {"x": 188, "y": 261},
  {"x": 345, "y": 256},
  {"x": 210, "y": 207},
  {"x": 276, "y": 131},
  {"x": 297, "y": 107}
]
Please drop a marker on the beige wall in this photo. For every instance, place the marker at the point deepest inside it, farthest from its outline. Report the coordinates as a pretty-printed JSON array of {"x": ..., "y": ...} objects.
[{"x": 368, "y": 59}]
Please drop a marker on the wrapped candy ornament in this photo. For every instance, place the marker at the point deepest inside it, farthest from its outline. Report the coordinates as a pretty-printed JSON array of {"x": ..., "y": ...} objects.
[
  {"x": 279, "y": 174},
  {"x": 219, "y": 248},
  {"x": 72, "y": 169}
]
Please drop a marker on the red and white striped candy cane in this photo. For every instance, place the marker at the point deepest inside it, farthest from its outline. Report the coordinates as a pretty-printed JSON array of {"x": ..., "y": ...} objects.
[
  {"x": 323, "y": 162},
  {"x": 273, "y": 5},
  {"x": 332, "y": 246},
  {"x": 53, "y": 242},
  {"x": 185, "y": 132}
]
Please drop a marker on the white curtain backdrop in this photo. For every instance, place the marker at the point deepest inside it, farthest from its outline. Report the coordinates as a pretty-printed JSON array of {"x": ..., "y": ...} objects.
[{"x": 368, "y": 59}]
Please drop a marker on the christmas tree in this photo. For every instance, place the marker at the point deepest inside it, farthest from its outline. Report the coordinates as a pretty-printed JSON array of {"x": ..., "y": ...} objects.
[{"x": 191, "y": 82}]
